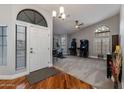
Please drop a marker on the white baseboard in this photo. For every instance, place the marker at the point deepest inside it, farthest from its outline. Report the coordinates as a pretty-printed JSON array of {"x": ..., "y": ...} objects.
[
  {"x": 93, "y": 57},
  {"x": 96, "y": 57},
  {"x": 50, "y": 65},
  {"x": 13, "y": 76},
  {"x": 122, "y": 85}
]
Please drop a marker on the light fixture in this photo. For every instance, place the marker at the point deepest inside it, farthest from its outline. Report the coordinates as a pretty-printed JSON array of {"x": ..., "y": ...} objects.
[
  {"x": 76, "y": 26},
  {"x": 54, "y": 14},
  {"x": 61, "y": 9},
  {"x": 61, "y": 13},
  {"x": 63, "y": 16}
]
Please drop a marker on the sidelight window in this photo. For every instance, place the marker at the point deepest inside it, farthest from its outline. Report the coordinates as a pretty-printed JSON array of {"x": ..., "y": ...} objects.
[
  {"x": 3, "y": 45},
  {"x": 20, "y": 47}
]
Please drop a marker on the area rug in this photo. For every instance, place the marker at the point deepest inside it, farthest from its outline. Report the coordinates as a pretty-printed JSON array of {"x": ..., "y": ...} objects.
[{"x": 41, "y": 74}]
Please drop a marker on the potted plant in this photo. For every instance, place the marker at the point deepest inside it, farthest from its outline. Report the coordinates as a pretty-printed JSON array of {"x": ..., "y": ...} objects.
[{"x": 116, "y": 65}]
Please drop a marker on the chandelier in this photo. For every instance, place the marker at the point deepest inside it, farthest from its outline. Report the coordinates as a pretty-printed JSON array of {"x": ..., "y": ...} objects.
[{"x": 61, "y": 13}]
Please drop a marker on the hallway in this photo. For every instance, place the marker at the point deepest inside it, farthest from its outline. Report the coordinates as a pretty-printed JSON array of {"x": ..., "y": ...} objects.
[{"x": 92, "y": 71}]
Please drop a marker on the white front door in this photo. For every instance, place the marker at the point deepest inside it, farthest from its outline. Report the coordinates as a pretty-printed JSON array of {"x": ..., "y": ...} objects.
[{"x": 39, "y": 44}]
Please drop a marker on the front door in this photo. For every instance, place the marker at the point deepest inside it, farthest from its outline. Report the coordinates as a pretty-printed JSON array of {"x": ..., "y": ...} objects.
[{"x": 39, "y": 48}]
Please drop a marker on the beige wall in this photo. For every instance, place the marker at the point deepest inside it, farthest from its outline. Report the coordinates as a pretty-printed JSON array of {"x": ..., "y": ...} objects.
[
  {"x": 88, "y": 32},
  {"x": 8, "y": 17}
]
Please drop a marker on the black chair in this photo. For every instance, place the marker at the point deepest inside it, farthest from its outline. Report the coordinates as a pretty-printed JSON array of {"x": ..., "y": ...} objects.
[
  {"x": 73, "y": 47},
  {"x": 84, "y": 48},
  {"x": 55, "y": 55}
]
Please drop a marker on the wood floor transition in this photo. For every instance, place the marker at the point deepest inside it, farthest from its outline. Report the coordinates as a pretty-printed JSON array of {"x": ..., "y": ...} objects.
[{"x": 59, "y": 81}]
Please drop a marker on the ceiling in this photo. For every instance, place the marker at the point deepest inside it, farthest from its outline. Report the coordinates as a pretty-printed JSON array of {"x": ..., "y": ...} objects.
[{"x": 86, "y": 13}]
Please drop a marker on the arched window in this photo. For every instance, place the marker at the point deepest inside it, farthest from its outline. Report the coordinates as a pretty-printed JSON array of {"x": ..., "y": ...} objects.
[{"x": 32, "y": 16}]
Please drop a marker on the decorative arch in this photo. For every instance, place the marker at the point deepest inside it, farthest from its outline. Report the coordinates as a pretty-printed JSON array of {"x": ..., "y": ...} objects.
[{"x": 32, "y": 16}]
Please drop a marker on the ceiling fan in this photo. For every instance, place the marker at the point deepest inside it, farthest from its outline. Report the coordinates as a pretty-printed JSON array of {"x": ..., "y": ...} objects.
[{"x": 77, "y": 25}]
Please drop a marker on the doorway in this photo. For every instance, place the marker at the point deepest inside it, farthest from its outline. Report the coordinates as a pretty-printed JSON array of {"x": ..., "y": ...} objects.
[{"x": 38, "y": 47}]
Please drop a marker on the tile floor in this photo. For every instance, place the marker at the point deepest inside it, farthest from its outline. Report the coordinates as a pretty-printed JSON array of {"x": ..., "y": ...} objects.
[{"x": 92, "y": 71}]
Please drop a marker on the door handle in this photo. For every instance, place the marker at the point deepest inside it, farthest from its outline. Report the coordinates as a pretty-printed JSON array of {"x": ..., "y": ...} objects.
[{"x": 31, "y": 50}]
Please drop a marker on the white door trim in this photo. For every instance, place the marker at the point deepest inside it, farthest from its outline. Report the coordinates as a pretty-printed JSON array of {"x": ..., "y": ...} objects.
[
  {"x": 19, "y": 74},
  {"x": 13, "y": 76}
]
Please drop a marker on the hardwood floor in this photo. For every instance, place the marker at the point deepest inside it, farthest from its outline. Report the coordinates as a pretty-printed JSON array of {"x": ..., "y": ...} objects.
[{"x": 59, "y": 81}]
